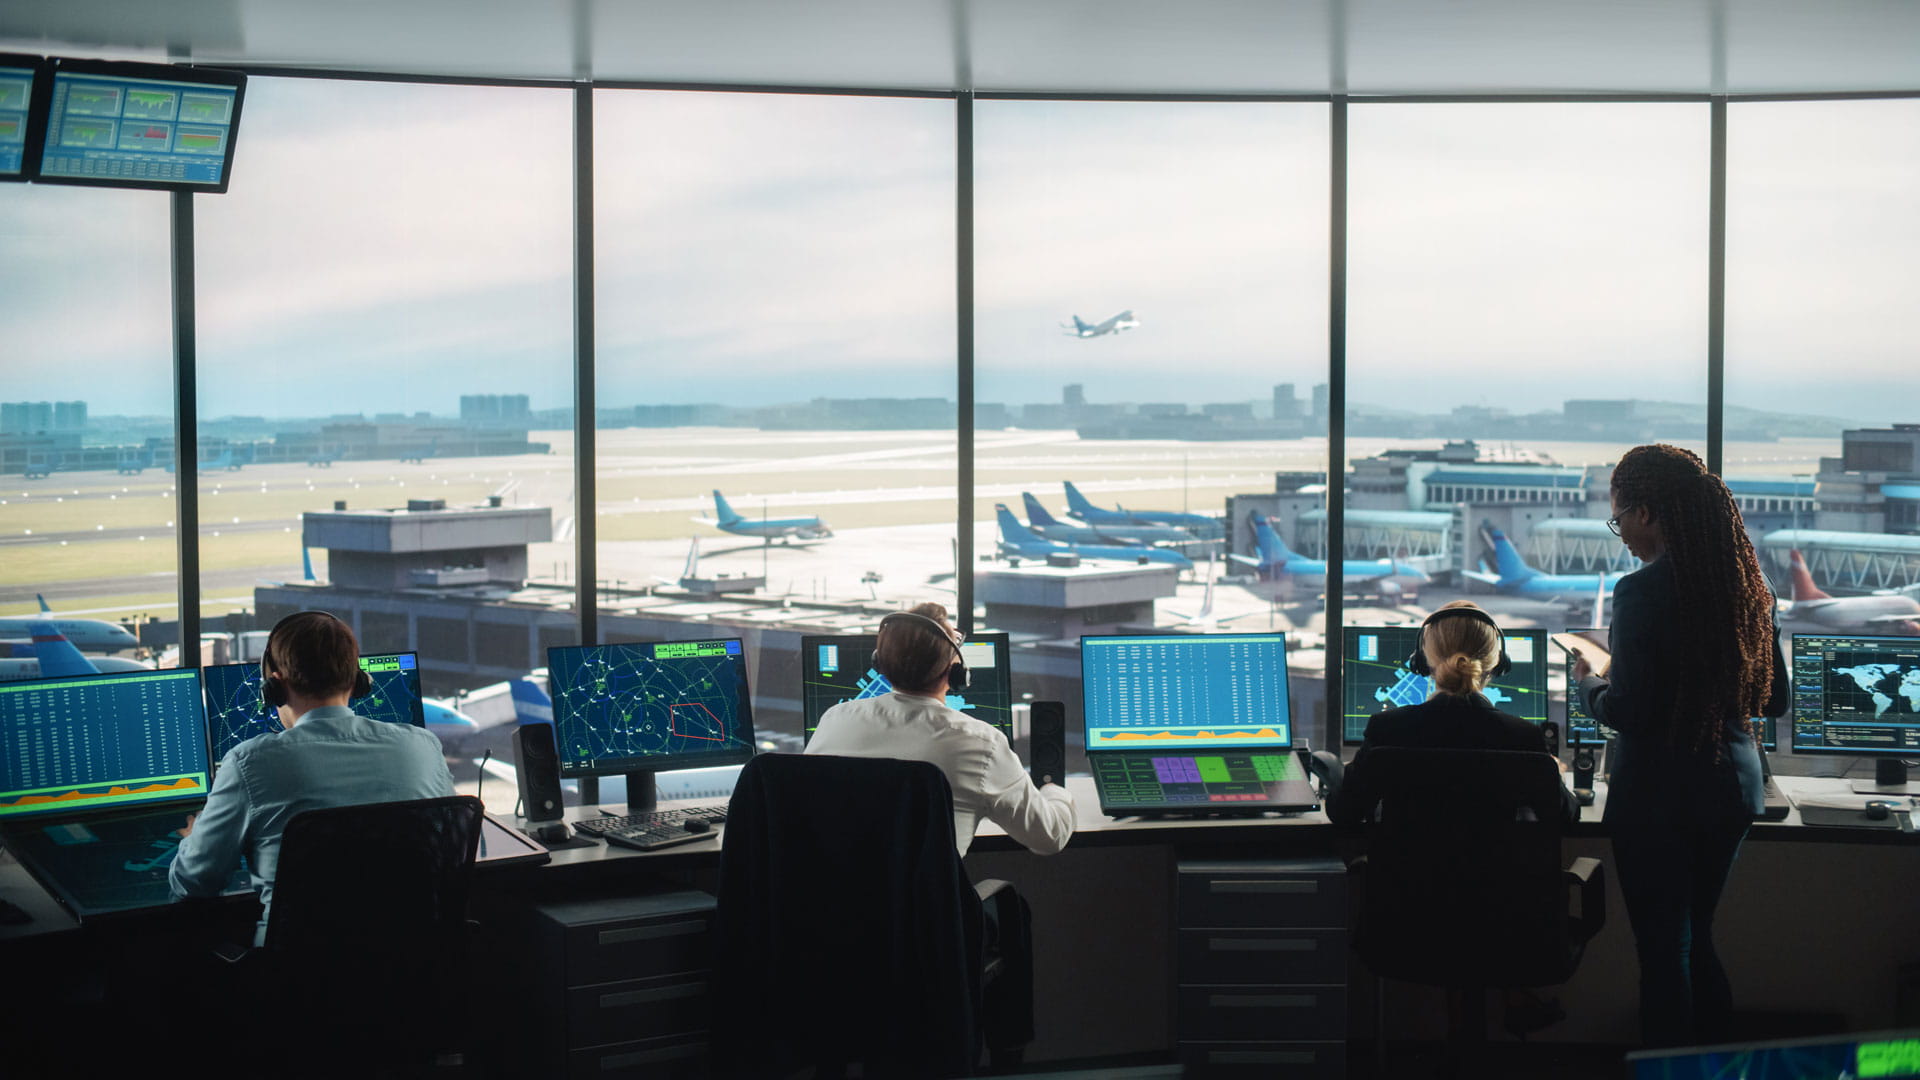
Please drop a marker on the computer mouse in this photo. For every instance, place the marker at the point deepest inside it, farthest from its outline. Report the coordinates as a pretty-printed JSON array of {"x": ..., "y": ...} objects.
[
  {"x": 1878, "y": 811},
  {"x": 700, "y": 825}
]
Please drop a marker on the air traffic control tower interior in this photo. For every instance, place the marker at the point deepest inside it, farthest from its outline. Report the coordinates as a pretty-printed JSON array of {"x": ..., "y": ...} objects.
[{"x": 543, "y": 343}]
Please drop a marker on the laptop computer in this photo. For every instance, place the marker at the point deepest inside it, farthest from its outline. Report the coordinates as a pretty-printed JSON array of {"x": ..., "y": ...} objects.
[
  {"x": 97, "y": 776},
  {"x": 1191, "y": 724}
]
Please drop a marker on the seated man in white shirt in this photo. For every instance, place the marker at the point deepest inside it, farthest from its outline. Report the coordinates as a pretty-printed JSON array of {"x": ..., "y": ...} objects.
[{"x": 919, "y": 653}]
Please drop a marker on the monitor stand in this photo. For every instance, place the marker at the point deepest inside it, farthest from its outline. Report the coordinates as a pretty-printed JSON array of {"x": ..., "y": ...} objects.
[
  {"x": 642, "y": 796},
  {"x": 1889, "y": 778}
]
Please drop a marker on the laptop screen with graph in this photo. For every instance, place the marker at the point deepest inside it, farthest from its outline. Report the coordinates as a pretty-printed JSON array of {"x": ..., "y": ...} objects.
[{"x": 1186, "y": 692}]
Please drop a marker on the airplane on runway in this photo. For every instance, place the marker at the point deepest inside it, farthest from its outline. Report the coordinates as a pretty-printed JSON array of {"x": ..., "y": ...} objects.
[
  {"x": 1045, "y": 524},
  {"x": 788, "y": 529},
  {"x": 1018, "y": 542},
  {"x": 1204, "y": 526},
  {"x": 1885, "y": 612},
  {"x": 1120, "y": 322},
  {"x": 96, "y": 634},
  {"x": 51, "y": 655},
  {"x": 1516, "y": 578},
  {"x": 1279, "y": 563}
]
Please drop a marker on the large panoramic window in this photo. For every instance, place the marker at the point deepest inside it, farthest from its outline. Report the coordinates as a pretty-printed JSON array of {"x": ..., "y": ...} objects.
[
  {"x": 385, "y": 378},
  {"x": 775, "y": 369},
  {"x": 1823, "y": 247},
  {"x": 1528, "y": 288},
  {"x": 1151, "y": 290},
  {"x": 87, "y": 506}
]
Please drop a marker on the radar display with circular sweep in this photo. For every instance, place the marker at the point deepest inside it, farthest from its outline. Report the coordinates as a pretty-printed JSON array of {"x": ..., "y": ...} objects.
[
  {"x": 236, "y": 713},
  {"x": 650, "y": 706}
]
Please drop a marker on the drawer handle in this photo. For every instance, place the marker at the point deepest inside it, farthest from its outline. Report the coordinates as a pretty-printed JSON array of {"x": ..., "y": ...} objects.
[
  {"x": 642, "y": 997},
  {"x": 1291, "y": 944},
  {"x": 1262, "y": 1001},
  {"x": 646, "y": 933},
  {"x": 650, "y": 1057},
  {"x": 1261, "y": 1057},
  {"x": 1263, "y": 886}
]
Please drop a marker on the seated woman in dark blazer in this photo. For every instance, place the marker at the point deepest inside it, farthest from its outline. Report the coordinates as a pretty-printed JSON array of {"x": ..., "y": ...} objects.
[{"x": 1463, "y": 646}]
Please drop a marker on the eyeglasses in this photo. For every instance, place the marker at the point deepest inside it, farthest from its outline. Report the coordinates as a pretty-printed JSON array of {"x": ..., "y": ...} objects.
[{"x": 1613, "y": 523}]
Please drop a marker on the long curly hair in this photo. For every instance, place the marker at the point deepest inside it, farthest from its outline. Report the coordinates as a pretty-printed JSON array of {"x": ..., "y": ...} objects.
[{"x": 1725, "y": 614}]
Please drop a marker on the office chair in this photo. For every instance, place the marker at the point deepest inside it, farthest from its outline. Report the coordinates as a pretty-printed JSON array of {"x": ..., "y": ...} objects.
[
  {"x": 1461, "y": 885},
  {"x": 369, "y": 930},
  {"x": 847, "y": 931}
]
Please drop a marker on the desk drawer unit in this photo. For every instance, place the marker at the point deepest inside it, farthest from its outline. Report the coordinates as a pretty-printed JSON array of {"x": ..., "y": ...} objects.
[
  {"x": 621, "y": 984},
  {"x": 1262, "y": 967}
]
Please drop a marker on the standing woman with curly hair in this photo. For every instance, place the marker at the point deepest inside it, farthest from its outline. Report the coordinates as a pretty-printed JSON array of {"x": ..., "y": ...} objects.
[{"x": 1695, "y": 656}]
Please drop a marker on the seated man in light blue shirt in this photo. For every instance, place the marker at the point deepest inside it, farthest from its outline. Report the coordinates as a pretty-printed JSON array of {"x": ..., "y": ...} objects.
[{"x": 327, "y": 756}]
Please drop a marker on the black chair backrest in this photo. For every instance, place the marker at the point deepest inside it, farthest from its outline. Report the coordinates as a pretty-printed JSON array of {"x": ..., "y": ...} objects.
[
  {"x": 1464, "y": 884},
  {"x": 373, "y": 875},
  {"x": 846, "y": 929}
]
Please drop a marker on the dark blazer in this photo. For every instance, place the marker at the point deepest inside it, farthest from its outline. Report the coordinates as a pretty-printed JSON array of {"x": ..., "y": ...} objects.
[
  {"x": 1653, "y": 781},
  {"x": 1445, "y": 722}
]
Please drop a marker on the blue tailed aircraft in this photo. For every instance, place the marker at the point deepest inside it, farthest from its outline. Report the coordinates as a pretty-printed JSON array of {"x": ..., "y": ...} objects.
[
  {"x": 788, "y": 529},
  {"x": 85, "y": 633},
  {"x": 1053, "y": 528},
  {"x": 1120, "y": 322},
  {"x": 1203, "y": 526},
  {"x": 1281, "y": 564},
  {"x": 1516, "y": 578},
  {"x": 51, "y": 655},
  {"x": 1018, "y": 542}
]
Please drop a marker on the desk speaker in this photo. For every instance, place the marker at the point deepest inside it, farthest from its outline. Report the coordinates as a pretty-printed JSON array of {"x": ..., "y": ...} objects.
[
  {"x": 537, "y": 764},
  {"x": 1550, "y": 732},
  {"x": 1047, "y": 755},
  {"x": 1583, "y": 763}
]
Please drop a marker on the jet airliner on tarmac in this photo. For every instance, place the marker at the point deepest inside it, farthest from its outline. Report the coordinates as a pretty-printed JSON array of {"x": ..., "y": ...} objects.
[
  {"x": 1204, "y": 526},
  {"x": 789, "y": 529},
  {"x": 84, "y": 633},
  {"x": 1880, "y": 613},
  {"x": 1122, "y": 321},
  {"x": 1018, "y": 542},
  {"x": 1053, "y": 528},
  {"x": 1516, "y": 578},
  {"x": 1279, "y": 563},
  {"x": 51, "y": 655}
]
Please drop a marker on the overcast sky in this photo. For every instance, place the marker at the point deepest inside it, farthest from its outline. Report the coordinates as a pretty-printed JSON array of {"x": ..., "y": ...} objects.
[{"x": 388, "y": 247}]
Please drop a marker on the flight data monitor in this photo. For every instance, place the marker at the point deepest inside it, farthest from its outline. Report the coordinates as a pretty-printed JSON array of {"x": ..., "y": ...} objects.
[
  {"x": 19, "y": 77},
  {"x": 650, "y": 706},
  {"x": 236, "y": 712},
  {"x": 1377, "y": 676},
  {"x": 840, "y": 669},
  {"x": 1856, "y": 695},
  {"x": 140, "y": 125},
  {"x": 99, "y": 741},
  {"x": 1184, "y": 692},
  {"x": 1581, "y": 727}
]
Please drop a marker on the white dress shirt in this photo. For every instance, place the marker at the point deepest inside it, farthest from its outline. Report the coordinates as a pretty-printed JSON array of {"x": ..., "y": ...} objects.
[{"x": 987, "y": 779}]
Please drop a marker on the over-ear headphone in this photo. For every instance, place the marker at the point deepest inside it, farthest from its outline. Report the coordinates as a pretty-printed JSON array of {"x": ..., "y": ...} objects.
[
  {"x": 957, "y": 675},
  {"x": 273, "y": 688},
  {"x": 1417, "y": 663}
]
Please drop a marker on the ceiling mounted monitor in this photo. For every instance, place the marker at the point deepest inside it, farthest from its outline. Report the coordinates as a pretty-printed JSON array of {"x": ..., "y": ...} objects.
[{"x": 154, "y": 126}]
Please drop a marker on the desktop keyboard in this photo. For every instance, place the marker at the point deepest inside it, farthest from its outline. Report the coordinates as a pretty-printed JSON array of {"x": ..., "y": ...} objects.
[{"x": 656, "y": 829}]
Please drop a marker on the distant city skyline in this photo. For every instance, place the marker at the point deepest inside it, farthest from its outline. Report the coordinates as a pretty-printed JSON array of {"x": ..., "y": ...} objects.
[{"x": 793, "y": 247}]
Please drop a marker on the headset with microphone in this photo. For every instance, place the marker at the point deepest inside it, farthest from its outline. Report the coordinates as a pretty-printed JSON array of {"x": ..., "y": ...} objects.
[
  {"x": 1417, "y": 663},
  {"x": 957, "y": 674},
  {"x": 273, "y": 688}
]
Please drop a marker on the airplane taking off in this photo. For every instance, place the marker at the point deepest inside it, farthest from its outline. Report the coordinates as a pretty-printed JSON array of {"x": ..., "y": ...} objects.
[
  {"x": 1278, "y": 562},
  {"x": 1890, "y": 613},
  {"x": 1122, "y": 321},
  {"x": 1053, "y": 528},
  {"x": 1018, "y": 542},
  {"x": 52, "y": 656},
  {"x": 789, "y": 529},
  {"x": 1203, "y": 526},
  {"x": 1516, "y": 578}
]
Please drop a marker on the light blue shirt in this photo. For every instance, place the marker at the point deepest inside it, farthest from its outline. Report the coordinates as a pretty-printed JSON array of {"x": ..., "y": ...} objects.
[{"x": 330, "y": 757}]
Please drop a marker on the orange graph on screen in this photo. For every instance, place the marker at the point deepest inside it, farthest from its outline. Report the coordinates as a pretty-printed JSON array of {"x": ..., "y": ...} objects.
[
  {"x": 1188, "y": 736},
  {"x": 185, "y": 783}
]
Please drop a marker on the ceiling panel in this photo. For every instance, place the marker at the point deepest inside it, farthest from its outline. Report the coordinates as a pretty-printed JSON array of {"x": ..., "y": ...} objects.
[{"x": 1094, "y": 46}]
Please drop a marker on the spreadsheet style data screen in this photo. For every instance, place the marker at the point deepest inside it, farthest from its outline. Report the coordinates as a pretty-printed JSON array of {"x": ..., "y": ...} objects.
[{"x": 1185, "y": 692}]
